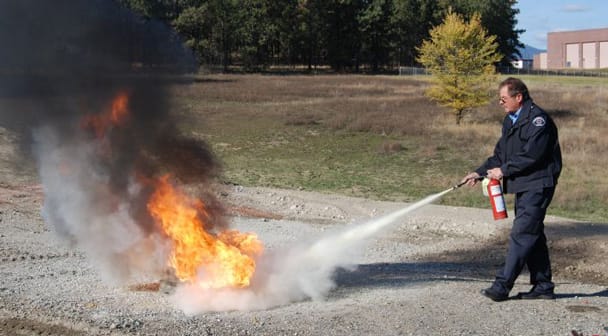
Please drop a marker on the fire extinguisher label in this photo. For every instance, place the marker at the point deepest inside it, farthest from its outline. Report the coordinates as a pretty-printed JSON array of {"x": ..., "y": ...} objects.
[
  {"x": 495, "y": 190},
  {"x": 499, "y": 202}
]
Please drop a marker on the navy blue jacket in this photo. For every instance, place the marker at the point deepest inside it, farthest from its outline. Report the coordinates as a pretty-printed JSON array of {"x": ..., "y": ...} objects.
[{"x": 528, "y": 151}]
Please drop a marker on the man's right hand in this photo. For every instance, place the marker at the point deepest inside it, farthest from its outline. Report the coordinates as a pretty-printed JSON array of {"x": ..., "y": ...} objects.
[{"x": 471, "y": 179}]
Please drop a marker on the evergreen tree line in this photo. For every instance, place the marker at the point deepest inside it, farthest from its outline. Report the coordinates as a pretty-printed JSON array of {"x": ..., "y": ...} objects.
[{"x": 347, "y": 35}]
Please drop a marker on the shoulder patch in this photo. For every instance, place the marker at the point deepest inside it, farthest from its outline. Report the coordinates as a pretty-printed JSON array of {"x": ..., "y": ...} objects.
[{"x": 539, "y": 121}]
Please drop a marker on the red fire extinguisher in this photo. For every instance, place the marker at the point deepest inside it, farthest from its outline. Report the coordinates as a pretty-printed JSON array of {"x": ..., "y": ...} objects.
[{"x": 499, "y": 209}]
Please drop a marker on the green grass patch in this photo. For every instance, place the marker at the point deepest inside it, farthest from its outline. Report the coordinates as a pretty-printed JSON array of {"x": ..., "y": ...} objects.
[{"x": 264, "y": 152}]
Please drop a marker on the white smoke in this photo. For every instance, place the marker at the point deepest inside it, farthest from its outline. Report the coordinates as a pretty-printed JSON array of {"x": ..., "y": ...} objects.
[
  {"x": 81, "y": 209},
  {"x": 296, "y": 273}
]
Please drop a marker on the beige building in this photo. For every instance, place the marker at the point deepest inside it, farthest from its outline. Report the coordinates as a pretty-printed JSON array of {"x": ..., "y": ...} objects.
[{"x": 579, "y": 49}]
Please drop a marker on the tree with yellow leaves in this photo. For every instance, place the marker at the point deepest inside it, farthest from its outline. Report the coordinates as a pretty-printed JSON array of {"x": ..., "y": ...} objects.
[{"x": 461, "y": 57}]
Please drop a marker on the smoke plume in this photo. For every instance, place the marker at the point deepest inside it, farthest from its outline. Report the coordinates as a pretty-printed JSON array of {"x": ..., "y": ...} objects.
[{"x": 83, "y": 86}]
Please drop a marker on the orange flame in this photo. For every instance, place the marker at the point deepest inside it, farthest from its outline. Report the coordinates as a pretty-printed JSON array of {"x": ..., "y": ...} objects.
[
  {"x": 226, "y": 259},
  {"x": 117, "y": 115}
]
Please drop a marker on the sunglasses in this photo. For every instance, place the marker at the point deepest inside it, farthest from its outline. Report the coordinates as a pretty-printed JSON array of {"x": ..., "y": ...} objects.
[{"x": 503, "y": 100}]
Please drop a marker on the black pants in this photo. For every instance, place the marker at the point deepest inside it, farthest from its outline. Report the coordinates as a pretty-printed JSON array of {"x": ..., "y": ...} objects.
[{"x": 527, "y": 243}]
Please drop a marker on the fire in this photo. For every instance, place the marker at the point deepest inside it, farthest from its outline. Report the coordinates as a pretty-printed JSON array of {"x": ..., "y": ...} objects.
[
  {"x": 225, "y": 259},
  {"x": 115, "y": 116},
  {"x": 209, "y": 259}
]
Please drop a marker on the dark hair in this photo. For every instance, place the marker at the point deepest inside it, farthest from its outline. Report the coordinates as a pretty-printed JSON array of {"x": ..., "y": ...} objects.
[{"x": 515, "y": 86}]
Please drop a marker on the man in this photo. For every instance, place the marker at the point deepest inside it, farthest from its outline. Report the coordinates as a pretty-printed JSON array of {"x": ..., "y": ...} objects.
[{"x": 527, "y": 158}]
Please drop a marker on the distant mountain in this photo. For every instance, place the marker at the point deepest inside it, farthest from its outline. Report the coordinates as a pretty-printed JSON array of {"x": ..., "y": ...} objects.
[{"x": 528, "y": 52}]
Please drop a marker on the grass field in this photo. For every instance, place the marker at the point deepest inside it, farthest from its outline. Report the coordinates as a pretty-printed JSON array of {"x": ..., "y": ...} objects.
[{"x": 379, "y": 137}]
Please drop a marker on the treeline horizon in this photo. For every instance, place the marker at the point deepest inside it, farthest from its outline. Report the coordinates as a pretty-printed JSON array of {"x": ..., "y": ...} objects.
[{"x": 345, "y": 35}]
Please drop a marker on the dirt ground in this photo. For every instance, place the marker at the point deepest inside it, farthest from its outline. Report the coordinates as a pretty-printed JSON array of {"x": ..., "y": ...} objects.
[{"x": 420, "y": 277}]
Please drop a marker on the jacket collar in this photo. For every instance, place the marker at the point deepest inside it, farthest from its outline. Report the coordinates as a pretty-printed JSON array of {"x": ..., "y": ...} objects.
[{"x": 524, "y": 116}]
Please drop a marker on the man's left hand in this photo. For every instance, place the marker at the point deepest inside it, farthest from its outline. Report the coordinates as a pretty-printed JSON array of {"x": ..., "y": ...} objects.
[{"x": 495, "y": 173}]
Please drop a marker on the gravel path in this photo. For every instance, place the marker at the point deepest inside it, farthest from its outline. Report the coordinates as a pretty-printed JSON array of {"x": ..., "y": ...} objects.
[{"x": 421, "y": 276}]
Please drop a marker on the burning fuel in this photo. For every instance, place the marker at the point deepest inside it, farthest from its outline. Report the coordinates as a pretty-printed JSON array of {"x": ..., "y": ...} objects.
[{"x": 200, "y": 257}]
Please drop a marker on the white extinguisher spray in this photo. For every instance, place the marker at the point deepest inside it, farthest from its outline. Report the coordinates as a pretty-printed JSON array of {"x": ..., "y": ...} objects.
[{"x": 497, "y": 200}]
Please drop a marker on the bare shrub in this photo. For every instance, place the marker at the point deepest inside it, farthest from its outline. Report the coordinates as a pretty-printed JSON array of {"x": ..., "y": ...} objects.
[
  {"x": 293, "y": 119},
  {"x": 390, "y": 147}
]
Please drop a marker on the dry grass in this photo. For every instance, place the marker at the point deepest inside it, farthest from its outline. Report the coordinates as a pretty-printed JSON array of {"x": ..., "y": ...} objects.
[
  {"x": 361, "y": 103},
  {"x": 337, "y": 120},
  {"x": 581, "y": 113}
]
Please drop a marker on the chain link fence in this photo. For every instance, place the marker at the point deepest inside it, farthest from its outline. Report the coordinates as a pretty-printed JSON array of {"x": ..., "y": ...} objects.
[{"x": 412, "y": 71}]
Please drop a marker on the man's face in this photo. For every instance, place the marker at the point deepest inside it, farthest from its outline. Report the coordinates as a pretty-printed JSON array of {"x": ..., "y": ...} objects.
[{"x": 509, "y": 103}]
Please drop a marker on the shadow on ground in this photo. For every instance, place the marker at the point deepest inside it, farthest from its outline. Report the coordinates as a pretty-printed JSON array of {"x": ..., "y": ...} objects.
[
  {"x": 570, "y": 243},
  {"x": 402, "y": 274},
  {"x": 407, "y": 274}
]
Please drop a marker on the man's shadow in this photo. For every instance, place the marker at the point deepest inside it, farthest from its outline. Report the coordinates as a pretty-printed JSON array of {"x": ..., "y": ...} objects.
[
  {"x": 406, "y": 274},
  {"x": 383, "y": 275},
  {"x": 603, "y": 293}
]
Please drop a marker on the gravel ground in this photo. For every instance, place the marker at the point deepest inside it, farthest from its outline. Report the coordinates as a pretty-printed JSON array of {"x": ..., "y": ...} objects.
[{"x": 422, "y": 276}]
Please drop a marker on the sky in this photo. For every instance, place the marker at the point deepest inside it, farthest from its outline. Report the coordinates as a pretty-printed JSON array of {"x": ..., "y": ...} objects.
[{"x": 538, "y": 17}]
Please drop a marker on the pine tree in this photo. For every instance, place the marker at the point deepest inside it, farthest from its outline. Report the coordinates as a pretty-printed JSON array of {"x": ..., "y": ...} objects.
[{"x": 461, "y": 56}]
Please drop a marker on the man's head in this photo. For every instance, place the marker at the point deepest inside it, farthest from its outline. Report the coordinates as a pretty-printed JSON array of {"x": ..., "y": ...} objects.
[{"x": 513, "y": 93}]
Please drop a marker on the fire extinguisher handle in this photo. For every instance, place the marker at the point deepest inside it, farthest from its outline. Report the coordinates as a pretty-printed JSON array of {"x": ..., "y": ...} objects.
[{"x": 478, "y": 178}]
